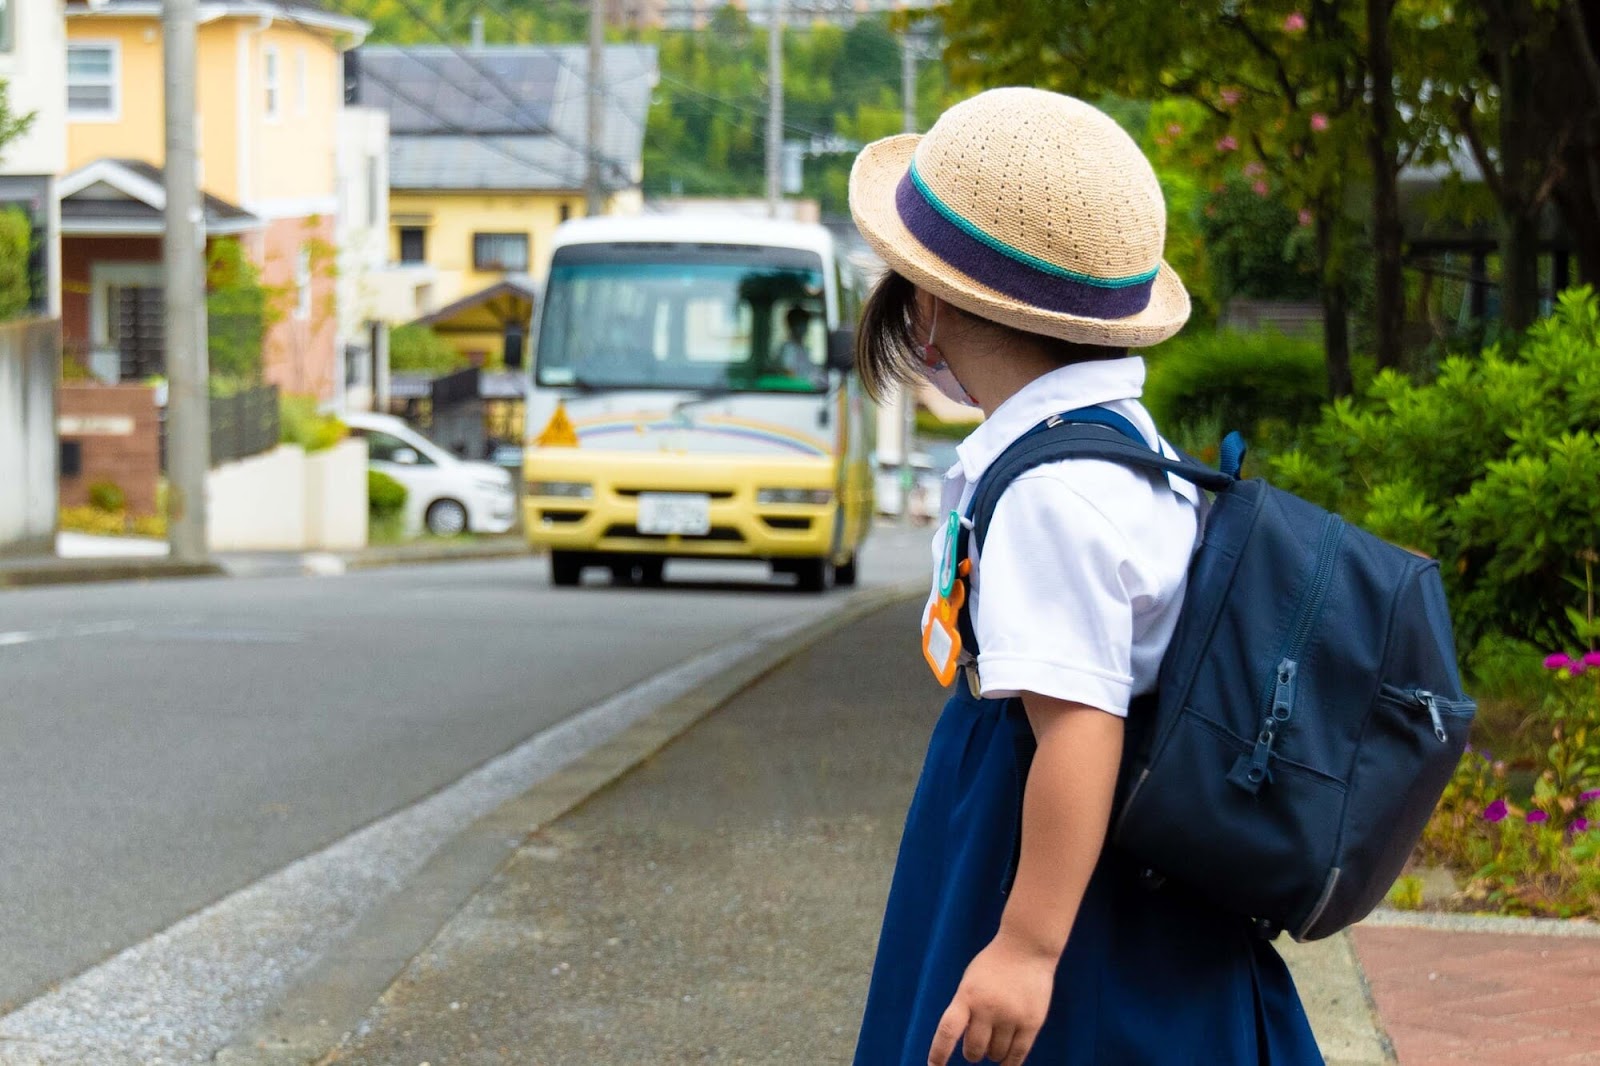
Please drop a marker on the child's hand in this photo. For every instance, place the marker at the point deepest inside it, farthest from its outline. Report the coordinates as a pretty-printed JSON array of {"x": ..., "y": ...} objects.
[{"x": 1001, "y": 1005}]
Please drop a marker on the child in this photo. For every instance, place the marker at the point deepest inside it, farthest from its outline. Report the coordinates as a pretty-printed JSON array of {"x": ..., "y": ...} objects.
[{"x": 1023, "y": 235}]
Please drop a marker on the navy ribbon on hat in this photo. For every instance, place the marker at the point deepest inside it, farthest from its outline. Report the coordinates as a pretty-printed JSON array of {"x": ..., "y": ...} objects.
[{"x": 1011, "y": 271}]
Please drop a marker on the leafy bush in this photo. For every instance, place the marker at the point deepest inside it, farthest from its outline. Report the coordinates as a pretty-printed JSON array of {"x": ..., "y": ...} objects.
[
  {"x": 301, "y": 423},
  {"x": 385, "y": 495},
  {"x": 237, "y": 312},
  {"x": 107, "y": 496},
  {"x": 16, "y": 249},
  {"x": 418, "y": 349},
  {"x": 1264, "y": 384},
  {"x": 1493, "y": 468}
]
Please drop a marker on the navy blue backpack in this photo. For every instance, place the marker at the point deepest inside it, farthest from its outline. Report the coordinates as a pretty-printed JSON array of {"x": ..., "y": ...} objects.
[{"x": 1308, "y": 713}]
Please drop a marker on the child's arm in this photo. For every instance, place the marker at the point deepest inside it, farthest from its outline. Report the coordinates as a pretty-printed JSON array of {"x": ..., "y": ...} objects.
[{"x": 1005, "y": 994}]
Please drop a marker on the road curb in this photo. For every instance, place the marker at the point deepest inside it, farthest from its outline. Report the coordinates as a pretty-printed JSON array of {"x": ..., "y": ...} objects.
[
  {"x": 83, "y": 572},
  {"x": 401, "y": 557},
  {"x": 1444, "y": 921},
  {"x": 321, "y": 1010}
]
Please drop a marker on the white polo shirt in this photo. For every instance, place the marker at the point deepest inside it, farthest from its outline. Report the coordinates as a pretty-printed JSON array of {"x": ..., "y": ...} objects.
[{"x": 1082, "y": 575}]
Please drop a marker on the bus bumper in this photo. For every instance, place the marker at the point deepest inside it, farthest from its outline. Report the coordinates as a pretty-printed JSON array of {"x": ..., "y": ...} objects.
[{"x": 589, "y": 502}]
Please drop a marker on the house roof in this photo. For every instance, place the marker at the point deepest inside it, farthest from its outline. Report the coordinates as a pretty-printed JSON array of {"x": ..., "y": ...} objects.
[
  {"x": 506, "y": 301},
  {"x": 306, "y": 12},
  {"x": 504, "y": 116},
  {"x": 129, "y": 196}
]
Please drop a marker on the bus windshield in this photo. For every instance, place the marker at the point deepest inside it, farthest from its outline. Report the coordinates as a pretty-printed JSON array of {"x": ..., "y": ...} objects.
[{"x": 706, "y": 318}]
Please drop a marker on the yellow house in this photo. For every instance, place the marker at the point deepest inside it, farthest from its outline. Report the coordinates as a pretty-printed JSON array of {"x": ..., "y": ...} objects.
[
  {"x": 268, "y": 89},
  {"x": 486, "y": 159}
]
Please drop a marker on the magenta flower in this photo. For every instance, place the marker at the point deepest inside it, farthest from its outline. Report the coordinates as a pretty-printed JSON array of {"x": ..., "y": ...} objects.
[
  {"x": 1579, "y": 825},
  {"x": 1319, "y": 122},
  {"x": 1228, "y": 144},
  {"x": 1589, "y": 796},
  {"x": 1535, "y": 817},
  {"x": 1495, "y": 812},
  {"x": 1295, "y": 23},
  {"x": 1559, "y": 661},
  {"x": 1592, "y": 659}
]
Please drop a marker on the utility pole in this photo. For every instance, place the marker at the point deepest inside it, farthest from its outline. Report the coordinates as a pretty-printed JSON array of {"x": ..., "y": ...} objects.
[
  {"x": 908, "y": 393},
  {"x": 593, "y": 192},
  {"x": 188, "y": 395},
  {"x": 774, "y": 105}
]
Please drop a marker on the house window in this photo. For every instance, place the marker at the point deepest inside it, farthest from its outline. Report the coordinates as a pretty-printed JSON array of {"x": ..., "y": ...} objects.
[
  {"x": 500, "y": 251},
  {"x": 301, "y": 90},
  {"x": 91, "y": 79},
  {"x": 302, "y": 284},
  {"x": 565, "y": 211},
  {"x": 7, "y": 32},
  {"x": 413, "y": 244},
  {"x": 269, "y": 79}
]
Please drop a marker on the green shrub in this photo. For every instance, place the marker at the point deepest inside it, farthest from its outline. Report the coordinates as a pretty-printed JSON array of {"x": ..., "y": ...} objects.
[
  {"x": 1494, "y": 468},
  {"x": 107, "y": 496},
  {"x": 1256, "y": 247},
  {"x": 301, "y": 423},
  {"x": 16, "y": 247},
  {"x": 418, "y": 349},
  {"x": 385, "y": 495},
  {"x": 1265, "y": 385}
]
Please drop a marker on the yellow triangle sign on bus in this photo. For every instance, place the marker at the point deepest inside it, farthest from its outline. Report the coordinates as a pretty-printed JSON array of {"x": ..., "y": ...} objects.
[{"x": 558, "y": 432}]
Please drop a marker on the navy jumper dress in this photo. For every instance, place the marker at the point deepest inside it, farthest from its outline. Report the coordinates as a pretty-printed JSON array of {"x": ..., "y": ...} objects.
[{"x": 1148, "y": 976}]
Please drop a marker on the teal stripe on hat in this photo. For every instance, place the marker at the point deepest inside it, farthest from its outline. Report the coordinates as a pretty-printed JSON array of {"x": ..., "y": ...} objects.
[{"x": 972, "y": 230}]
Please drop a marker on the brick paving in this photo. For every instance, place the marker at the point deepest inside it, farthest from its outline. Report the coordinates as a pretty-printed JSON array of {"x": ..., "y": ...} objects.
[{"x": 1451, "y": 998}]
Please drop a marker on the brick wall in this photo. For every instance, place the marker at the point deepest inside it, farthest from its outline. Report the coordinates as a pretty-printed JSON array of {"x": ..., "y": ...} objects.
[{"x": 118, "y": 432}]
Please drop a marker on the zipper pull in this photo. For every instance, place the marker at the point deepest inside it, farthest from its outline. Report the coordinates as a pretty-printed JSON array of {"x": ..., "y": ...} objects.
[{"x": 1430, "y": 701}]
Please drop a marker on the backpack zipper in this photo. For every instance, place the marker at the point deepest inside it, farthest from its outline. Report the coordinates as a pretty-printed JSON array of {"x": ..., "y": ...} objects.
[{"x": 1252, "y": 771}]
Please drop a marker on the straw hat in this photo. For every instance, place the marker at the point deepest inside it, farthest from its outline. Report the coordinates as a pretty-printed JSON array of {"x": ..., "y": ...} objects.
[{"x": 1030, "y": 209}]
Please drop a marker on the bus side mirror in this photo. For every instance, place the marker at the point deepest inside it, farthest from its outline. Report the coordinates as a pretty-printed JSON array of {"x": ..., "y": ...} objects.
[{"x": 842, "y": 350}]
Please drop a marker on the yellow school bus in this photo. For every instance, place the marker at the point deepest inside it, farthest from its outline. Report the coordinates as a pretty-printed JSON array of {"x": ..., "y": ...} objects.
[{"x": 691, "y": 397}]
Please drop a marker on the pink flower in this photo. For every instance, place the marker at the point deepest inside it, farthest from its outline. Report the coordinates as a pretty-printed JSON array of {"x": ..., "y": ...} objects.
[
  {"x": 1579, "y": 825},
  {"x": 1228, "y": 144},
  {"x": 1231, "y": 97},
  {"x": 1592, "y": 658},
  {"x": 1295, "y": 23},
  {"x": 1495, "y": 812},
  {"x": 1559, "y": 661},
  {"x": 1589, "y": 796},
  {"x": 1254, "y": 169},
  {"x": 1174, "y": 130},
  {"x": 1261, "y": 188},
  {"x": 1535, "y": 817},
  {"x": 1319, "y": 122},
  {"x": 1305, "y": 216}
]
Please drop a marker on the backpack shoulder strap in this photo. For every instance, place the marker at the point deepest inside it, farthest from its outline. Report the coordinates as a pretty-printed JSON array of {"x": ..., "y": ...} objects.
[{"x": 1086, "y": 433}]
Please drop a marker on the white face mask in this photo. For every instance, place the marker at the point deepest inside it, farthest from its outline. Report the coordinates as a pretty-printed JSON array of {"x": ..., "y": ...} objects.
[{"x": 938, "y": 372}]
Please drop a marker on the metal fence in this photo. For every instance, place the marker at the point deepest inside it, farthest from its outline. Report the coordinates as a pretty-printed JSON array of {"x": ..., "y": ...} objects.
[{"x": 244, "y": 424}]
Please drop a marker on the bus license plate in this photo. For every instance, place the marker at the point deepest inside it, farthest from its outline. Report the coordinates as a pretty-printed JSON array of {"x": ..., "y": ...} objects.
[{"x": 685, "y": 514}]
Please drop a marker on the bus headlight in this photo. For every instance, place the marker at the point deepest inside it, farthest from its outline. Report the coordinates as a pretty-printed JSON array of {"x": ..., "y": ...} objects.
[
  {"x": 572, "y": 490},
  {"x": 817, "y": 497}
]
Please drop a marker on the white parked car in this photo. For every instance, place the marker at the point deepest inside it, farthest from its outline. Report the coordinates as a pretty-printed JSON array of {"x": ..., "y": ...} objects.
[{"x": 444, "y": 495}]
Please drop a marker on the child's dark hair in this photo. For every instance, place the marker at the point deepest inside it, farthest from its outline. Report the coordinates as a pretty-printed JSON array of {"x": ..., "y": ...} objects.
[{"x": 887, "y": 348}]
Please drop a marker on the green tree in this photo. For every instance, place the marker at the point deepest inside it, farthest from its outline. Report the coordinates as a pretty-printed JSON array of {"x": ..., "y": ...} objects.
[
  {"x": 16, "y": 228},
  {"x": 239, "y": 311},
  {"x": 419, "y": 350}
]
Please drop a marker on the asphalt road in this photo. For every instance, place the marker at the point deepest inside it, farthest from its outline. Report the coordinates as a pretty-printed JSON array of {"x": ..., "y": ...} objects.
[{"x": 165, "y": 744}]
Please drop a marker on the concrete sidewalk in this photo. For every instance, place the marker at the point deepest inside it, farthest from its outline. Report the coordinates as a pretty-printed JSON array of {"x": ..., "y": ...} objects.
[{"x": 721, "y": 902}]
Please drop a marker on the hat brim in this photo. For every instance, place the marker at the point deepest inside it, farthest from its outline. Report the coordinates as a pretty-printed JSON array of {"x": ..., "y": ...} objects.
[{"x": 873, "y": 181}]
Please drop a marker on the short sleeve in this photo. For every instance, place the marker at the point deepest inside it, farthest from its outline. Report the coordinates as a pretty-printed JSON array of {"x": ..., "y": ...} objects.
[{"x": 1054, "y": 603}]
